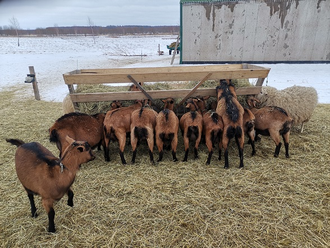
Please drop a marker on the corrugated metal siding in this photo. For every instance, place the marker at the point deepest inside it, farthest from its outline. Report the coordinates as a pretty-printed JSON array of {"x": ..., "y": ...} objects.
[{"x": 255, "y": 31}]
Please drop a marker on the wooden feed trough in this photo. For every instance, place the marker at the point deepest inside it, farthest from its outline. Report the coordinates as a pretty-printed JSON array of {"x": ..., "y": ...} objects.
[{"x": 180, "y": 73}]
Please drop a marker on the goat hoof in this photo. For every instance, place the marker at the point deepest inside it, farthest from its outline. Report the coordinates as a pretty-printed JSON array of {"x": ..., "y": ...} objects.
[
  {"x": 175, "y": 160},
  {"x": 226, "y": 167},
  {"x": 35, "y": 215}
]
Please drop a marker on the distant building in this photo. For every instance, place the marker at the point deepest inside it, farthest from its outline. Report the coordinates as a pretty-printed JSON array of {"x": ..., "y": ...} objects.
[{"x": 255, "y": 31}]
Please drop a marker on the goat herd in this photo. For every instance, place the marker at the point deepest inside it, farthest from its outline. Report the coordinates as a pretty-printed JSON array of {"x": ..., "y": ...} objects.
[{"x": 76, "y": 134}]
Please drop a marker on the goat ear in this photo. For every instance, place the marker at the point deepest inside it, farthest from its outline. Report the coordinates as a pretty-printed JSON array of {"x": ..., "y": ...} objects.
[
  {"x": 206, "y": 97},
  {"x": 69, "y": 139}
]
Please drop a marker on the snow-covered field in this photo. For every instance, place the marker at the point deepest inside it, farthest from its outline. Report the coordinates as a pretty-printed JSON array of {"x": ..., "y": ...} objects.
[{"x": 53, "y": 56}]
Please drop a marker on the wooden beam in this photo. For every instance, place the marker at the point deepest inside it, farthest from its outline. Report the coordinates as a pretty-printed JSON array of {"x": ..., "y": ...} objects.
[
  {"x": 195, "y": 88},
  {"x": 155, "y": 94},
  {"x": 140, "y": 87}
]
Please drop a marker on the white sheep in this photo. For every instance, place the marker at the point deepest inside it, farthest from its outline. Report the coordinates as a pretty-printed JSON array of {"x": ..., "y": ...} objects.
[
  {"x": 298, "y": 101},
  {"x": 68, "y": 106}
]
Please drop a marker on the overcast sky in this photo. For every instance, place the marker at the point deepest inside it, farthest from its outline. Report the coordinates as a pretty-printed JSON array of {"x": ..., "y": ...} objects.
[{"x": 32, "y": 14}]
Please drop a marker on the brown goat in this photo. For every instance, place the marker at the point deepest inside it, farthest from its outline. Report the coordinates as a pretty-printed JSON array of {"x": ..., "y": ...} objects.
[
  {"x": 143, "y": 122},
  {"x": 167, "y": 127},
  {"x": 212, "y": 128},
  {"x": 116, "y": 125},
  {"x": 274, "y": 122},
  {"x": 191, "y": 125},
  {"x": 41, "y": 173},
  {"x": 78, "y": 126},
  {"x": 231, "y": 113},
  {"x": 249, "y": 128},
  {"x": 248, "y": 119},
  {"x": 115, "y": 104},
  {"x": 133, "y": 87}
]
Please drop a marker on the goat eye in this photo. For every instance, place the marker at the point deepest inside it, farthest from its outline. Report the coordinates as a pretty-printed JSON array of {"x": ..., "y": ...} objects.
[
  {"x": 171, "y": 102},
  {"x": 80, "y": 149}
]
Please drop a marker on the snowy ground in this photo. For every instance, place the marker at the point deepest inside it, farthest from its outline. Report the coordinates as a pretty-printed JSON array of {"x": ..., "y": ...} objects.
[{"x": 53, "y": 56}]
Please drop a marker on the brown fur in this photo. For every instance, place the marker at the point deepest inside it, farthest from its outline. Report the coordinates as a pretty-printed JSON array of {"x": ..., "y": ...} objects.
[
  {"x": 167, "y": 127},
  {"x": 212, "y": 128},
  {"x": 231, "y": 113},
  {"x": 78, "y": 126},
  {"x": 115, "y": 104},
  {"x": 191, "y": 125},
  {"x": 116, "y": 125},
  {"x": 133, "y": 87},
  {"x": 274, "y": 122},
  {"x": 41, "y": 173},
  {"x": 143, "y": 122}
]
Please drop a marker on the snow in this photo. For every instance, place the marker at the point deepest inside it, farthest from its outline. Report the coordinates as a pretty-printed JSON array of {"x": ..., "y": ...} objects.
[{"x": 54, "y": 56}]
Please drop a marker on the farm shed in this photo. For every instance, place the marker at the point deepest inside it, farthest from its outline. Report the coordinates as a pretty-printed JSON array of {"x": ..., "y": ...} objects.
[{"x": 255, "y": 31}]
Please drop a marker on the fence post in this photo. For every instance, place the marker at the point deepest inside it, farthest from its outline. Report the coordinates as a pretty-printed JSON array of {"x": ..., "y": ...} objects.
[{"x": 34, "y": 83}]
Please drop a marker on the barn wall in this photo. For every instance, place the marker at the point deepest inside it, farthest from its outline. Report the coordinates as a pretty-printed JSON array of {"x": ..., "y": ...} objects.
[{"x": 257, "y": 31}]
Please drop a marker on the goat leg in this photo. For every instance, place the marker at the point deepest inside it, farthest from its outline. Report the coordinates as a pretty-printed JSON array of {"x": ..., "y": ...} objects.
[
  {"x": 70, "y": 198},
  {"x": 161, "y": 153},
  {"x": 186, "y": 155},
  {"x": 33, "y": 206},
  {"x": 151, "y": 157},
  {"x": 51, "y": 216},
  {"x": 277, "y": 149},
  {"x": 286, "y": 149},
  {"x": 209, "y": 157},
  {"x": 174, "y": 156},
  {"x": 196, "y": 152},
  {"x": 122, "y": 157},
  {"x": 226, "y": 159}
]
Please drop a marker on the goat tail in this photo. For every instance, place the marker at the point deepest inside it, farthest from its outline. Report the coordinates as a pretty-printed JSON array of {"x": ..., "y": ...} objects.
[
  {"x": 53, "y": 137},
  {"x": 286, "y": 127},
  {"x": 249, "y": 125},
  {"x": 140, "y": 133},
  {"x": 16, "y": 142},
  {"x": 193, "y": 133},
  {"x": 234, "y": 132},
  {"x": 215, "y": 117}
]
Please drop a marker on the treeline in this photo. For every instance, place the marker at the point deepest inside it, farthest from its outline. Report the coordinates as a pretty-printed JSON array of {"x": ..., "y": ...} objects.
[{"x": 91, "y": 30}]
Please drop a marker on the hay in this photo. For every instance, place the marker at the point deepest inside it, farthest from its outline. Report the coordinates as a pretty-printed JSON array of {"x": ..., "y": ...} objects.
[
  {"x": 272, "y": 202},
  {"x": 102, "y": 107}
]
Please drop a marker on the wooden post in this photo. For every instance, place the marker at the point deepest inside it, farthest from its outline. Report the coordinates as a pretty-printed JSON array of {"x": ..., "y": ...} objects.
[
  {"x": 176, "y": 47},
  {"x": 34, "y": 83}
]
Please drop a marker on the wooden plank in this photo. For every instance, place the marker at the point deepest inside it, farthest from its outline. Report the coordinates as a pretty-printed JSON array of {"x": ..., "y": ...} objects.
[
  {"x": 163, "y": 76},
  {"x": 155, "y": 94}
]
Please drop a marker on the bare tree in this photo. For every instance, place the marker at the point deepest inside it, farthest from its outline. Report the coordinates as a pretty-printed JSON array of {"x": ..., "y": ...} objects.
[
  {"x": 57, "y": 31},
  {"x": 91, "y": 24},
  {"x": 15, "y": 25}
]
